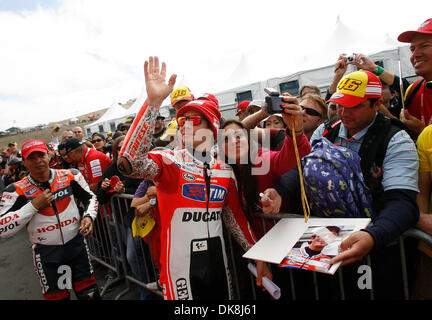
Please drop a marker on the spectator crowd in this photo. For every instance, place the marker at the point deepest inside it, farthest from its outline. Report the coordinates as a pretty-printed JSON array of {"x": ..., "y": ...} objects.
[{"x": 363, "y": 149}]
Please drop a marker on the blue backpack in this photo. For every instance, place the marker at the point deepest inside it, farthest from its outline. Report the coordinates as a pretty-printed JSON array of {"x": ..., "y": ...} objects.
[{"x": 334, "y": 182}]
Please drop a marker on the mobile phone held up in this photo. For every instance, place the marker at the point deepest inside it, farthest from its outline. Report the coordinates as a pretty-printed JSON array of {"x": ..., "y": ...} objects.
[{"x": 273, "y": 101}]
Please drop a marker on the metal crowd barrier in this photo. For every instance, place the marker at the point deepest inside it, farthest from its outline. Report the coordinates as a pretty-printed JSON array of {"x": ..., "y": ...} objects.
[{"x": 108, "y": 247}]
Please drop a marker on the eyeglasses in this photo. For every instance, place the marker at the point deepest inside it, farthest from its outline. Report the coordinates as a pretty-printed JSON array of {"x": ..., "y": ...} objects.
[
  {"x": 67, "y": 153},
  {"x": 64, "y": 155},
  {"x": 77, "y": 131},
  {"x": 96, "y": 140},
  {"x": 311, "y": 112},
  {"x": 196, "y": 120}
]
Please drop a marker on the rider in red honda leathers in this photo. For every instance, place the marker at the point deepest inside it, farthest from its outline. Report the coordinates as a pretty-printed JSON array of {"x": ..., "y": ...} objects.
[{"x": 58, "y": 209}]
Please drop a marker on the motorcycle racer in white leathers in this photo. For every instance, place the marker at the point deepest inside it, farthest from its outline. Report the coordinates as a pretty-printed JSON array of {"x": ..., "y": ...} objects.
[
  {"x": 195, "y": 193},
  {"x": 58, "y": 209}
]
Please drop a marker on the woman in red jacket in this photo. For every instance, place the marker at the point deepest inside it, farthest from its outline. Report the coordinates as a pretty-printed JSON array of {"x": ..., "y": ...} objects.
[{"x": 255, "y": 168}]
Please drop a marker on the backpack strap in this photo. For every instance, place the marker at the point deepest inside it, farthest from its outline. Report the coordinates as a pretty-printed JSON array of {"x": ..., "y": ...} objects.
[
  {"x": 332, "y": 127},
  {"x": 373, "y": 151},
  {"x": 374, "y": 143}
]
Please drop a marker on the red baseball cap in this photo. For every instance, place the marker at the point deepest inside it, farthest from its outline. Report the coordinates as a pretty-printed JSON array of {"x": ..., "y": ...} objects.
[
  {"x": 242, "y": 106},
  {"x": 207, "y": 108},
  {"x": 425, "y": 28},
  {"x": 31, "y": 146},
  {"x": 356, "y": 87}
]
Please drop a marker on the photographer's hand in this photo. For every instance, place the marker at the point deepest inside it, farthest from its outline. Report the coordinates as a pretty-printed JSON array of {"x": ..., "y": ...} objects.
[
  {"x": 340, "y": 69},
  {"x": 341, "y": 66},
  {"x": 364, "y": 62},
  {"x": 292, "y": 114}
]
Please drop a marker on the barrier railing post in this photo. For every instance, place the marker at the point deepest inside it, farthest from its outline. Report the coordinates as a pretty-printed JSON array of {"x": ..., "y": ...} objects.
[
  {"x": 341, "y": 284},
  {"x": 404, "y": 268},
  {"x": 119, "y": 211}
]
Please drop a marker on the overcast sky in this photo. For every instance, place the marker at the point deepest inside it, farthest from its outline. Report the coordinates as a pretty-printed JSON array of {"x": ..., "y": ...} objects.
[{"x": 61, "y": 59}]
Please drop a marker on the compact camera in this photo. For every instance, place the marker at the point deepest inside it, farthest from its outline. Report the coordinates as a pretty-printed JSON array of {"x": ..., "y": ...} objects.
[
  {"x": 350, "y": 59},
  {"x": 273, "y": 101}
]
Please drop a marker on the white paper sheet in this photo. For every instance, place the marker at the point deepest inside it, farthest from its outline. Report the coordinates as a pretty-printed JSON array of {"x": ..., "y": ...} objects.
[{"x": 275, "y": 244}]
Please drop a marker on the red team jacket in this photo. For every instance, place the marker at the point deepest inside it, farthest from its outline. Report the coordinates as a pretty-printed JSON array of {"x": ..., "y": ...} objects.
[{"x": 93, "y": 165}]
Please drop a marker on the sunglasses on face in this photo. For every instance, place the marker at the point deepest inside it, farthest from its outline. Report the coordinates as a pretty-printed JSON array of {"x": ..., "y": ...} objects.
[
  {"x": 77, "y": 131},
  {"x": 67, "y": 153},
  {"x": 64, "y": 155},
  {"x": 196, "y": 120},
  {"x": 311, "y": 112},
  {"x": 96, "y": 140}
]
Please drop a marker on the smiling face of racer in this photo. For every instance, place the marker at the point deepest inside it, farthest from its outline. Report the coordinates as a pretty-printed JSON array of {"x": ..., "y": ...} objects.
[{"x": 198, "y": 136}]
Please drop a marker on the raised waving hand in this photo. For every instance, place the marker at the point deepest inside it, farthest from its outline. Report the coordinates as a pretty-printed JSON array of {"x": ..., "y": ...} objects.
[{"x": 157, "y": 87}]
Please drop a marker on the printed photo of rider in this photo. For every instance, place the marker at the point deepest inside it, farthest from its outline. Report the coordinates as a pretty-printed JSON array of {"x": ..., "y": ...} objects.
[{"x": 316, "y": 247}]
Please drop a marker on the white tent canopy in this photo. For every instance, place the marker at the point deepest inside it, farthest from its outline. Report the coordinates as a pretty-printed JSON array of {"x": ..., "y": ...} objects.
[
  {"x": 312, "y": 65},
  {"x": 117, "y": 114},
  {"x": 109, "y": 120},
  {"x": 135, "y": 107}
]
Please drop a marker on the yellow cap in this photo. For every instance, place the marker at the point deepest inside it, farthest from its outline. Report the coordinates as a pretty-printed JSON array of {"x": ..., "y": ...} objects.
[
  {"x": 141, "y": 226},
  {"x": 171, "y": 130},
  {"x": 181, "y": 93}
]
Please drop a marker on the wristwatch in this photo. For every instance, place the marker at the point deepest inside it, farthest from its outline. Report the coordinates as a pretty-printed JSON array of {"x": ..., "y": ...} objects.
[{"x": 153, "y": 202}]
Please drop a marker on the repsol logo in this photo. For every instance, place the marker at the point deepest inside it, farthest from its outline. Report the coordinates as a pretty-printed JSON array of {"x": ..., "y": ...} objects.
[
  {"x": 182, "y": 290},
  {"x": 63, "y": 193},
  {"x": 56, "y": 226},
  {"x": 201, "y": 216},
  {"x": 197, "y": 192},
  {"x": 9, "y": 226}
]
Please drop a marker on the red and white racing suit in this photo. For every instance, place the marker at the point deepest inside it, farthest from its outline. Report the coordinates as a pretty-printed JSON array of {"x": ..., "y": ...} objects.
[
  {"x": 192, "y": 258},
  {"x": 54, "y": 229}
]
